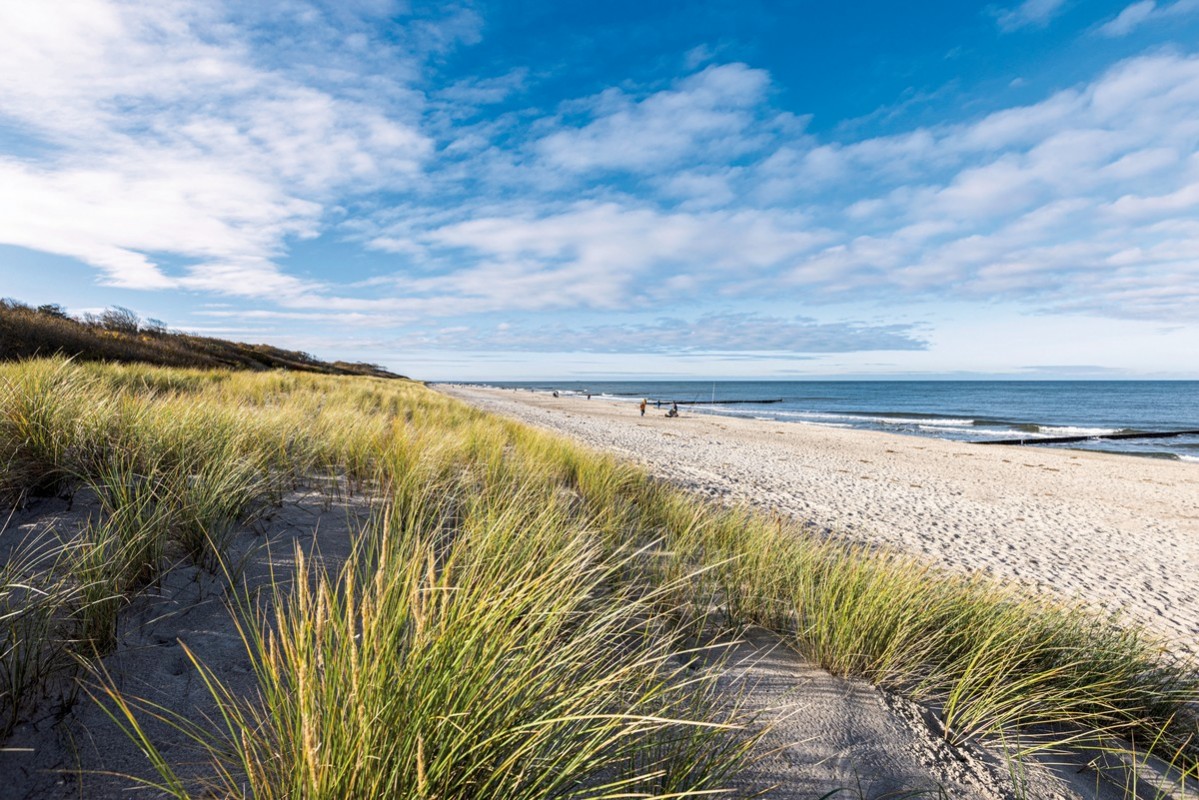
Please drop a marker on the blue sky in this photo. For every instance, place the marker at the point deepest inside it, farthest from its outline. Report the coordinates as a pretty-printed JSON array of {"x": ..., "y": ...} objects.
[{"x": 529, "y": 190}]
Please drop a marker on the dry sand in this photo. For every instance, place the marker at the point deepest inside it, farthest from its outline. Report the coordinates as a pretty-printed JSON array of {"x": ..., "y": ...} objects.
[
  {"x": 1114, "y": 531},
  {"x": 78, "y": 752}
]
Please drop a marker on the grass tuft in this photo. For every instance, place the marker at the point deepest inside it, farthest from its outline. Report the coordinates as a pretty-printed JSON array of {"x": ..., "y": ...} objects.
[{"x": 516, "y": 620}]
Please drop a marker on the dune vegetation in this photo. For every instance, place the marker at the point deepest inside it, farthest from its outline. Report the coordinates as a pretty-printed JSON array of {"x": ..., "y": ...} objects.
[
  {"x": 520, "y": 617},
  {"x": 119, "y": 334}
]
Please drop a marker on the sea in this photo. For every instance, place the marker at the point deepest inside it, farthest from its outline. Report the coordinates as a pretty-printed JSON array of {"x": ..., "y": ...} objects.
[{"x": 974, "y": 411}]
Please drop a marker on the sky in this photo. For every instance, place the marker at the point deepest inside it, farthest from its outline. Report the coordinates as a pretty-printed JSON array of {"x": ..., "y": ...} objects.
[{"x": 522, "y": 190}]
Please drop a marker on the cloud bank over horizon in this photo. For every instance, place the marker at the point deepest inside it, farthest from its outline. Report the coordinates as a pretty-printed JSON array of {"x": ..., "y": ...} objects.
[{"x": 347, "y": 175}]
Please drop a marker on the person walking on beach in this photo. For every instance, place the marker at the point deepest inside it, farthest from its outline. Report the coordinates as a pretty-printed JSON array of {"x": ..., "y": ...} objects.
[{"x": 643, "y": 404}]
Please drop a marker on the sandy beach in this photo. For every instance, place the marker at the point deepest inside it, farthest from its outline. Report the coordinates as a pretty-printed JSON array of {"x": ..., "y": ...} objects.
[
  {"x": 1118, "y": 532},
  {"x": 1084, "y": 525}
]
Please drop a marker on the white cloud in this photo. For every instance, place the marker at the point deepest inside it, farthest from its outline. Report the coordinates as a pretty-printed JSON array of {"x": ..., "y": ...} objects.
[
  {"x": 701, "y": 188},
  {"x": 113, "y": 214},
  {"x": 484, "y": 91},
  {"x": 162, "y": 135},
  {"x": 699, "y": 55},
  {"x": 1030, "y": 13},
  {"x": 1128, "y": 19},
  {"x": 1059, "y": 204},
  {"x": 1063, "y": 203},
  {"x": 1183, "y": 201},
  {"x": 706, "y": 115},
  {"x": 1139, "y": 13},
  {"x": 600, "y": 255},
  {"x": 1044, "y": 204},
  {"x": 171, "y": 150}
]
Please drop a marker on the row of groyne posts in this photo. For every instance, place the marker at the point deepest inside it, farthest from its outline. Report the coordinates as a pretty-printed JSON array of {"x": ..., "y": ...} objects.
[{"x": 1072, "y": 439}]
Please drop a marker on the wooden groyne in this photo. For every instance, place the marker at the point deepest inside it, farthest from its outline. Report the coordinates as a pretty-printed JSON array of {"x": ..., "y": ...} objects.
[
  {"x": 1073, "y": 439},
  {"x": 725, "y": 402}
]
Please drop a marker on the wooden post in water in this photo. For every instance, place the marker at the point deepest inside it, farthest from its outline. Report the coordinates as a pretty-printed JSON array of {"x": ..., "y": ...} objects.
[{"x": 1072, "y": 439}]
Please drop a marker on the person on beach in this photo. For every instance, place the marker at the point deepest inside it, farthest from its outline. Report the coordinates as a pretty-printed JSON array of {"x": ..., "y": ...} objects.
[
  {"x": 643, "y": 405},
  {"x": 674, "y": 410}
]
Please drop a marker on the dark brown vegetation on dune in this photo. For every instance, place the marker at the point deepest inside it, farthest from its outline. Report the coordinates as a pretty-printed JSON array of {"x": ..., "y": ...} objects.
[{"x": 120, "y": 335}]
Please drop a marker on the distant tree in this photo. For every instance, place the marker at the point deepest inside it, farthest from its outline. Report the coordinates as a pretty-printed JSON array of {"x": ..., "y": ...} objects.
[
  {"x": 10, "y": 304},
  {"x": 120, "y": 319},
  {"x": 155, "y": 327},
  {"x": 52, "y": 310}
]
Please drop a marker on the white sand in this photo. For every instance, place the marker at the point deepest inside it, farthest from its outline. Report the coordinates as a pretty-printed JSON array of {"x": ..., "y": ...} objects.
[{"x": 1117, "y": 531}]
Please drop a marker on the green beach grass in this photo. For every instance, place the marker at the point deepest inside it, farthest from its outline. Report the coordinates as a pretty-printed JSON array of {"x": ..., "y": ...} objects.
[{"x": 516, "y": 617}]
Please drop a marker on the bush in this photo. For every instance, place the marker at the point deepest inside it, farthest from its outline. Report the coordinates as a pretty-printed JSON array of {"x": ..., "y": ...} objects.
[{"x": 121, "y": 320}]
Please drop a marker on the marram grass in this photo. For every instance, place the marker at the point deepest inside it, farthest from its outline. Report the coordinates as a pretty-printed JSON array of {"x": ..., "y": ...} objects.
[
  {"x": 511, "y": 621},
  {"x": 496, "y": 661}
]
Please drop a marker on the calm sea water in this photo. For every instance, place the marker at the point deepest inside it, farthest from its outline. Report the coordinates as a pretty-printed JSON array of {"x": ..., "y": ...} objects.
[{"x": 959, "y": 410}]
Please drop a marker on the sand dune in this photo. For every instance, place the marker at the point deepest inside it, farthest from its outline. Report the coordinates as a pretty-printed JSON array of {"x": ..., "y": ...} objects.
[{"x": 1114, "y": 530}]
